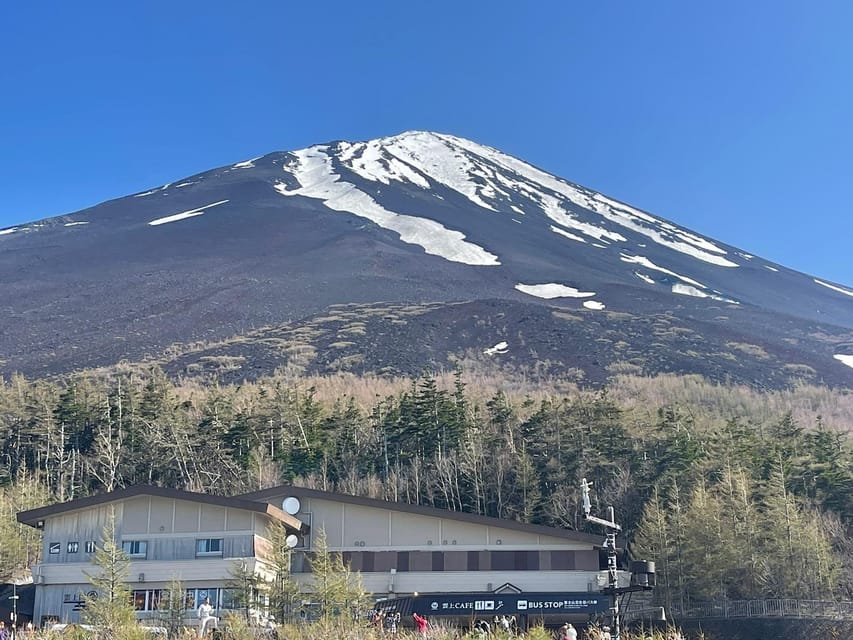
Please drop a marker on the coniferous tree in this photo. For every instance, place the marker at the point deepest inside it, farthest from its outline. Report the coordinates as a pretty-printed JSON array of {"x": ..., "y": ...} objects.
[
  {"x": 109, "y": 607},
  {"x": 20, "y": 545},
  {"x": 246, "y": 587},
  {"x": 283, "y": 591},
  {"x": 653, "y": 541},
  {"x": 172, "y": 607},
  {"x": 338, "y": 590},
  {"x": 743, "y": 522}
]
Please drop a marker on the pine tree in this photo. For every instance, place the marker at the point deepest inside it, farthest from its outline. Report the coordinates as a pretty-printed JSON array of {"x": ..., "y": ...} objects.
[
  {"x": 653, "y": 541},
  {"x": 334, "y": 586},
  {"x": 109, "y": 608},
  {"x": 283, "y": 591},
  {"x": 246, "y": 587},
  {"x": 173, "y": 607}
]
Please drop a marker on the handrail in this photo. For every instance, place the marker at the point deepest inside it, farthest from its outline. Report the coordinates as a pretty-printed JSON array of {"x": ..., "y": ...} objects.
[{"x": 770, "y": 608}]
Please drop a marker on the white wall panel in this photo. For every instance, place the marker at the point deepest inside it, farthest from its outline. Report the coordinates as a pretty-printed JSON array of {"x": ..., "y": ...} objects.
[{"x": 414, "y": 531}]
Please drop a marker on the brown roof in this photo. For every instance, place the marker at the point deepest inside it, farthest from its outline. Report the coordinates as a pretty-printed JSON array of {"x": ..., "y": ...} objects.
[
  {"x": 34, "y": 516},
  {"x": 285, "y": 491}
]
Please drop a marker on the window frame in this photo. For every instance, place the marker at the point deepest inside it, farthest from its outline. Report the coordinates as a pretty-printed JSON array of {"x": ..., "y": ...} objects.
[
  {"x": 203, "y": 547},
  {"x": 140, "y": 546}
]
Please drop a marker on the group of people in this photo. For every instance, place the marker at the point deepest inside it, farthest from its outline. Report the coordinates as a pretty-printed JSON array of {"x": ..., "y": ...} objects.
[
  {"x": 567, "y": 632},
  {"x": 506, "y": 624},
  {"x": 386, "y": 621},
  {"x": 8, "y": 633}
]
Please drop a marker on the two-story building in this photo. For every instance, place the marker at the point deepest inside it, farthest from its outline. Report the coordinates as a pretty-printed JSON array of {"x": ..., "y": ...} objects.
[
  {"x": 168, "y": 534},
  {"x": 400, "y": 550}
]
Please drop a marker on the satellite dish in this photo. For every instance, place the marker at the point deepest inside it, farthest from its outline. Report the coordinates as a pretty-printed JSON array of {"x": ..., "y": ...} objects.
[
  {"x": 291, "y": 505},
  {"x": 291, "y": 541}
]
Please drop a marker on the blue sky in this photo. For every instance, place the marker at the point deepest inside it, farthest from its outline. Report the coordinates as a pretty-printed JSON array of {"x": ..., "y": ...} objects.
[{"x": 734, "y": 119}]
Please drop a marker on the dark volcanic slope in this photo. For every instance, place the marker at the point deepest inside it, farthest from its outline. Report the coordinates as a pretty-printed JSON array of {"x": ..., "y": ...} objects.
[
  {"x": 572, "y": 278},
  {"x": 584, "y": 345}
]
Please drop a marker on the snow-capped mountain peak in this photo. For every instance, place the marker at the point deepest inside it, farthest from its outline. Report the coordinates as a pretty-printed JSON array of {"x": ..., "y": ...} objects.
[
  {"x": 418, "y": 218},
  {"x": 491, "y": 180}
]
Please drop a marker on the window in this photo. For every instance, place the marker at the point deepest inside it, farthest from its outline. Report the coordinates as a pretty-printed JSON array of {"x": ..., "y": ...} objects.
[
  {"x": 208, "y": 547},
  {"x": 73, "y": 547},
  {"x": 201, "y": 594},
  {"x": 135, "y": 548},
  {"x": 90, "y": 546},
  {"x": 54, "y": 548},
  {"x": 230, "y": 599},
  {"x": 146, "y": 599}
]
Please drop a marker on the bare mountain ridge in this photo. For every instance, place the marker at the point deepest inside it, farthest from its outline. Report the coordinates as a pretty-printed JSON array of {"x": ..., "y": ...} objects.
[{"x": 485, "y": 248}]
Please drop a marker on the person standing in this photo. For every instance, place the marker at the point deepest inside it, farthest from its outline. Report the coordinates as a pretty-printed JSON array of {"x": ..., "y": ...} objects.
[
  {"x": 421, "y": 623},
  {"x": 4, "y": 632},
  {"x": 205, "y": 615},
  {"x": 391, "y": 621},
  {"x": 571, "y": 632}
]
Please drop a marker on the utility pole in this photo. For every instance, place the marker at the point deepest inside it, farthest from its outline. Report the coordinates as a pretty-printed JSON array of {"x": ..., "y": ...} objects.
[
  {"x": 642, "y": 573},
  {"x": 14, "y": 598},
  {"x": 610, "y": 545}
]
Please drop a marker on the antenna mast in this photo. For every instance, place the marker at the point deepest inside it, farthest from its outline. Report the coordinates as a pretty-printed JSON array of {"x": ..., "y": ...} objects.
[
  {"x": 642, "y": 575},
  {"x": 611, "y": 528}
]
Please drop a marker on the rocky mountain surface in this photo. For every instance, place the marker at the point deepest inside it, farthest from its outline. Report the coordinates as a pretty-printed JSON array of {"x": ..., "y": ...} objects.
[{"x": 418, "y": 251}]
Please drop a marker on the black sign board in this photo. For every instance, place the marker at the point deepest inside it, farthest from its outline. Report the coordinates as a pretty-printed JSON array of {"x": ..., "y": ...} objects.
[{"x": 490, "y": 604}]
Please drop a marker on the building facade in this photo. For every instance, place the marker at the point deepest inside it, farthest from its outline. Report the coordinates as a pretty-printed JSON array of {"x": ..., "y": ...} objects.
[
  {"x": 400, "y": 550},
  {"x": 168, "y": 534}
]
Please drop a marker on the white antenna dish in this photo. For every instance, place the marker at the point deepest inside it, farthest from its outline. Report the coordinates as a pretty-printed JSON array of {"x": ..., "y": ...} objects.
[
  {"x": 291, "y": 505},
  {"x": 291, "y": 541}
]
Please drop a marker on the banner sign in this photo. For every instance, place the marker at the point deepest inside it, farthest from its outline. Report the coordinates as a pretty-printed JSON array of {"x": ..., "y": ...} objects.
[{"x": 487, "y": 604}]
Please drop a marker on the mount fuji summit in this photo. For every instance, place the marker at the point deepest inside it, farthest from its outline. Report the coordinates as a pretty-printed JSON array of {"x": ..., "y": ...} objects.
[{"x": 421, "y": 251}]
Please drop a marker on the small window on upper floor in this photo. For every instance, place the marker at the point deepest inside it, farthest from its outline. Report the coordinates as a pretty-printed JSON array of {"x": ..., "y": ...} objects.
[
  {"x": 135, "y": 548},
  {"x": 208, "y": 547}
]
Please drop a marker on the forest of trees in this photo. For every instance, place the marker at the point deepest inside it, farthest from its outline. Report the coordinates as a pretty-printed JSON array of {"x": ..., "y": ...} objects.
[{"x": 734, "y": 494}]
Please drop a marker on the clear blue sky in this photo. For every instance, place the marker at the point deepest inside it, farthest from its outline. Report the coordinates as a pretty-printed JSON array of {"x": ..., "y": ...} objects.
[{"x": 734, "y": 119}]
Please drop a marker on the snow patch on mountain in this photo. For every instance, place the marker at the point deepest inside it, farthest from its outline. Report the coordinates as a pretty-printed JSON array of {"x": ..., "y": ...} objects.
[
  {"x": 418, "y": 154},
  {"x": 687, "y": 290},
  {"x": 846, "y": 359},
  {"x": 660, "y": 231},
  {"x": 74, "y": 224},
  {"x": 499, "y": 348},
  {"x": 846, "y": 292},
  {"x": 571, "y": 236},
  {"x": 152, "y": 191},
  {"x": 593, "y": 304},
  {"x": 648, "y": 264},
  {"x": 644, "y": 277},
  {"x": 246, "y": 164},
  {"x": 317, "y": 178},
  {"x": 773, "y": 269},
  {"x": 553, "y": 290},
  {"x": 185, "y": 214},
  {"x": 6, "y": 232},
  {"x": 368, "y": 159}
]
